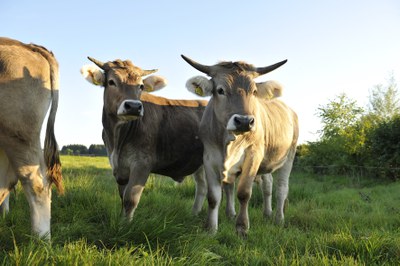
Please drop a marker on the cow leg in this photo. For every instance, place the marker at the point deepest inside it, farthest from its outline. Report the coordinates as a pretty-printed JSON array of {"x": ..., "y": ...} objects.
[
  {"x": 266, "y": 187},
  {"x": 7, "y": 181},
  {"x": 201, "y": 190},
  {"x": 5, "y": 205},
  {"x": 245, "y": 186},
  {"x": 133, "y": 190},
  {"x": 29, "y": 168},
  {"x": 283, "y": 187},
  {"x": 243, "y": 195},
  {"x": 229, "y": 189},
  {"x": 214, "y": 197}
]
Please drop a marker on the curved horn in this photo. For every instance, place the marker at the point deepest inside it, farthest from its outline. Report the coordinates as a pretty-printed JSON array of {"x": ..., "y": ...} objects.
[
  {"x": 148, "y": 72},
  {"x": 97, "y": 62},
  {"x": 264, "y": 70},
  {"x": 202, "y": 68}
]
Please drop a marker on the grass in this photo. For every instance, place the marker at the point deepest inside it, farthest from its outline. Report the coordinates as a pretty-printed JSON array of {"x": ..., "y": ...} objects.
[{"x": 329, "y": 221}]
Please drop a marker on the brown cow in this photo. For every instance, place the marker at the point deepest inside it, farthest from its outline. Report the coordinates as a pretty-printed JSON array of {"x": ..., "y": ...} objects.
[
  {"x": 245, "y": 133},
  {"x": 28, "y": 85},
  {"x": 146, "y": 134}
]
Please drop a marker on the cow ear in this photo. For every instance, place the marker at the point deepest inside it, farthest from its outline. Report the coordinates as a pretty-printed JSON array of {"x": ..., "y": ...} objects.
[
  {"x": 200, "y": 86},
  {"x": 93, "y": 74},
  {"x": 154, "y": 83},
  {"x": 269, "y": 89}
]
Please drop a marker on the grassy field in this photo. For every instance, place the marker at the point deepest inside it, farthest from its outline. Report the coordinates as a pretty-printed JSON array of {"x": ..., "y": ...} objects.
[{"x": 329, "y": 221}]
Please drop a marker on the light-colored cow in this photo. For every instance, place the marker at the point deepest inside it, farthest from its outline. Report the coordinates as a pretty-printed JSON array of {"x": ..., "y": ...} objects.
[
  {"x": 246, "y": 132},
  {"x": 28, "y": 86}
]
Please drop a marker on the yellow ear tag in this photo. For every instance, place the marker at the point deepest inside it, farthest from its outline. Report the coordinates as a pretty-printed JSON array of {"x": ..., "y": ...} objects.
[
  {"x": 198, "y": 91},
  {"x": 148, "y": 88}
]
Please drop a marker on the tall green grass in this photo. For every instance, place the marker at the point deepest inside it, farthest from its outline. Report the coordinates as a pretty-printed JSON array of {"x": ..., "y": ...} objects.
[{"x": 329, "y": 221}]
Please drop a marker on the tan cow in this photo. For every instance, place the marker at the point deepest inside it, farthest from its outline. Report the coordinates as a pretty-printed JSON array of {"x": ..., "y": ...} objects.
[
  {"x": 28, "y": 86},
  {"x": 245, "y": 133}
]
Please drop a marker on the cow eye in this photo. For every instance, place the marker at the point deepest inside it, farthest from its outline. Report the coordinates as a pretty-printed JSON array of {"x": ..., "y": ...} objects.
[
  {"x": 141, "y": 87},
  {"x": 220, "y": 91},
  {"x": 111, "y": 82},
  {"x": 255, "y": 92}
]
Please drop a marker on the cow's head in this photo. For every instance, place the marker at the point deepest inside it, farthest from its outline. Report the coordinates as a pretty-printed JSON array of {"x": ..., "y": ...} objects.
[
  {"x": 123, "y": 85},
  {"x": 234, "y": 91}
]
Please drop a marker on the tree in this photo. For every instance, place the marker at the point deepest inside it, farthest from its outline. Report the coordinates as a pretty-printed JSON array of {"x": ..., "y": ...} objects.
[
  {"x": 76, "y": 149},
  {"x": 338, "y": 116},
  {"x": 98, "y": 150},
  {"x": 384, "y": 101}
]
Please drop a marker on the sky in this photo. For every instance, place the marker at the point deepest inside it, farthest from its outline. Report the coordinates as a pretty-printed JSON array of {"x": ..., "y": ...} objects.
[{"x": 332, "y": 47}]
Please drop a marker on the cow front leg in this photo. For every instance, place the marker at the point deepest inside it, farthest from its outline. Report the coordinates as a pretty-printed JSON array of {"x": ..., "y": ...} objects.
[
  {"x": 133, "y": 191},
  {"x": 243, "y": 195},
  {"x": 266, "y": 187},
  {"x": 246, "y": 178},
  {"x": 229, "y": 189},
  {"x": 214, "y": 198},
  {"x": 201, "y": 190}
]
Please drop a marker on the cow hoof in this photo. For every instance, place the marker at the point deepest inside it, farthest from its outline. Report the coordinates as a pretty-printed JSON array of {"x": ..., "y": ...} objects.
[{"x": 241, "y": 231}]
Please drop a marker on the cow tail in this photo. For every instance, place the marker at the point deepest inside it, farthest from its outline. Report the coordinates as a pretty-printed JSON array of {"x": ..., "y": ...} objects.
[{"x": 51, "y": 152}]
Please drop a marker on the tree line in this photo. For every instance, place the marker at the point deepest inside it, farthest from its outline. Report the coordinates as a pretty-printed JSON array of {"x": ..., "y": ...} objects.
[
  {"x": 78, "y": 149},
  {"x": 354, "y": 137}
]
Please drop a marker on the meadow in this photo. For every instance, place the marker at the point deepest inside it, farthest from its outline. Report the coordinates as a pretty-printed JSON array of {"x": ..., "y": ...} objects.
[{"x": 330, "y": 220}]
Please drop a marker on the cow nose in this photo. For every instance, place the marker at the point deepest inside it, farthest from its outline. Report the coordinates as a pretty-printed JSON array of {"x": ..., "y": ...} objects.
[
  {"x": 129, "y": 109},
  {"x": 243, "y": 123},
  {"x": 132, "y": 107}
]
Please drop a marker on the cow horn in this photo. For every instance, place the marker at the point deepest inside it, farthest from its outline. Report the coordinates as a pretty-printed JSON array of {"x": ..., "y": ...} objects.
[
  {"x": 199, "y": 67},
  {"x": 97, "y": 62},
  {"x": 264, "y": 70},
  {"x": 148, "y": 72}
]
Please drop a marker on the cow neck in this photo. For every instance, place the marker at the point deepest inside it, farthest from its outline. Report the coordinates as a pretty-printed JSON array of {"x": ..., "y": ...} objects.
[{"x": 126, "y": 132}]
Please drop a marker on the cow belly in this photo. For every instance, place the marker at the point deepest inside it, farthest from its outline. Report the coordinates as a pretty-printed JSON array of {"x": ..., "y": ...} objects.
[{"x": 178, "y": 169}]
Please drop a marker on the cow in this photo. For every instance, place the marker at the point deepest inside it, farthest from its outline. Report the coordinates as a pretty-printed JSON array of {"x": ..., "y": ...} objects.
[
  {"x": 28, "y": 87},
  {"x": 246, "y": 131},
  {"x": 144, "y": 133}
]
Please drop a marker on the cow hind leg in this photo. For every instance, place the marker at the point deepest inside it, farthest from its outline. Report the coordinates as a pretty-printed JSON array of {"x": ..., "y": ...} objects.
[
  {"x": 201, "y": 190},
  {"x": 5, "y": 206},
  {"x": 266, "y": 188},
  {"x": 283, "y": 188},
  {"x": 29, "y": 168},
  {"x": 7, "y": 181}
]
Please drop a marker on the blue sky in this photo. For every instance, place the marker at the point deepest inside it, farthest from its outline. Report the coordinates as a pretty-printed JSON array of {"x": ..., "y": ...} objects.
[{"x": 331, "y": 47}]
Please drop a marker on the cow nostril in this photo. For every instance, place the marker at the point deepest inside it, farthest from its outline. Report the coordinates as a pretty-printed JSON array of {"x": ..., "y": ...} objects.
[
  {"x": 128, "y": 105},
  {"x": 251, "y": 122},
  {"x": 237, "y": 121}
]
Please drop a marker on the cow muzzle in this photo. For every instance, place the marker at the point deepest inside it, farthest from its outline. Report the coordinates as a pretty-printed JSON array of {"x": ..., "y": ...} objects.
[
  {"x": 130, "y": 110},
  {"x": 241, "y": 123}
]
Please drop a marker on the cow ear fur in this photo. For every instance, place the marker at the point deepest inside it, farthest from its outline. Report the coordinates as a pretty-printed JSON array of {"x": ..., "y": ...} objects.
[
  {"x": 93, "y": 74},
  {"x": 269, "y": 89},
  {"x": 200, "y": 86},
  {"x": 154, "y": 83}
]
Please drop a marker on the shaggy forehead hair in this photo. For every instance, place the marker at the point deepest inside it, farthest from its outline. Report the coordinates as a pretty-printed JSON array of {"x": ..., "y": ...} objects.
[
  {"x": 234, "y": 67},
  {"x": 127, "y": 67}
]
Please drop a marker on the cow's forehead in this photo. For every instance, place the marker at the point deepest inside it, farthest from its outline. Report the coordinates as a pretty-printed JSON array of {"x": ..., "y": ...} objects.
[
  {"x": 235, "y": 81},
  {"x": 124, "y": 69}
]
